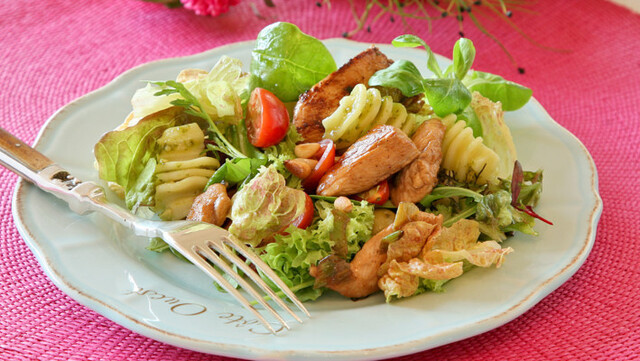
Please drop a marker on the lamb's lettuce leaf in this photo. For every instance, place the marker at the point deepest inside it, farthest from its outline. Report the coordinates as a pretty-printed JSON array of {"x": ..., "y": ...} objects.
[
  {"x": 513, "y": 96},
  {"x": 449, "y": 92},
  {"x": 402, "y": 74}
]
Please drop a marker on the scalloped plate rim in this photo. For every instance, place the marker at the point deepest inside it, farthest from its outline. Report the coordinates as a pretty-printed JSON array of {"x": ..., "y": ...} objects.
[{"x": 130, "y": 322}]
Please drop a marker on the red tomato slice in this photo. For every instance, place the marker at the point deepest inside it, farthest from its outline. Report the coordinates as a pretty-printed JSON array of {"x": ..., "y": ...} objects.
[
  {"x": 306, "y": 218},
  {"x": 326, "y": 161},
  {"x": 267, "y": 119},
  {"x": 377, "y": 195}
]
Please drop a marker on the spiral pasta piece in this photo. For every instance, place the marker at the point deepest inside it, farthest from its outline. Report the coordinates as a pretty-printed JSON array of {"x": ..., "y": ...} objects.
[
  {"x": 182, "y": 172},
  {"x": 364, "y": 109},
  {"x": 466, "y": 156}
]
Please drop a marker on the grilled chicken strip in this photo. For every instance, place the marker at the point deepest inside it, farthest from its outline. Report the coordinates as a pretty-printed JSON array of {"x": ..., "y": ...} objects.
[
  {"x": 324, "y": 98},
  {"x": 418, "y": 179},
  {"x": 381, "y": 152},
  {"x": 360, "y": 277}
]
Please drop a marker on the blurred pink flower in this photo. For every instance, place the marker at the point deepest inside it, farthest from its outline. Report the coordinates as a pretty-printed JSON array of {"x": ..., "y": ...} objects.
[{"x": 209, "y": 7}]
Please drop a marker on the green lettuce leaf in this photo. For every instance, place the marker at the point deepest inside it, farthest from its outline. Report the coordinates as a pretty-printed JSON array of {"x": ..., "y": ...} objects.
[
  {"x": 221, "y": 93},
  {"x": 122, "y": 155},
  {"x": 237, "y": 171},
  {"x": 495, "y": 133}
]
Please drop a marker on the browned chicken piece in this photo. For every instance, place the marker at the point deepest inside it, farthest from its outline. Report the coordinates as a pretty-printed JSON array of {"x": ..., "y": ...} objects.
[
  {"x": 324, "y": 98},
  {"x": 418, "y": 179},
  {"x": 381, "y": 152},
  {"x": 360, "y": 277},
  {"x": 212, "y": 206}
]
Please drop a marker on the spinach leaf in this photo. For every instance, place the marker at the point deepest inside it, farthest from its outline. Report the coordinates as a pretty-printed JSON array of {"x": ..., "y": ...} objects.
[
  {"x": 446, "y": 96},
  {"x": 412, "y": 41},
  {"x": 403, "y": 75},
  {"x": 513, "y": 96},
  {"x": 289, "y": 62}
]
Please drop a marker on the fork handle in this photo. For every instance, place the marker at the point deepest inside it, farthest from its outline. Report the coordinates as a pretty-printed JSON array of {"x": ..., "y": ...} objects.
[
  {"x": 82, "y": 197},
  {"x": 20, "y": 157}
]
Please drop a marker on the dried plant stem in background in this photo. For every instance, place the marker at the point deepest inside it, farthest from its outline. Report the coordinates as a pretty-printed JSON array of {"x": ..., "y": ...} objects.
[{"x": 367, "y": 13}]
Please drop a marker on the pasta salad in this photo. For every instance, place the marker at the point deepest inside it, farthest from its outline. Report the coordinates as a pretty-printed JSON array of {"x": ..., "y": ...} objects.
[{"x": 356, "y": 179}]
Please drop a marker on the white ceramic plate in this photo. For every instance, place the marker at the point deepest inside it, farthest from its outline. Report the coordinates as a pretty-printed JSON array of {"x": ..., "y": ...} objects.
[{"x": 106, "y": 269}]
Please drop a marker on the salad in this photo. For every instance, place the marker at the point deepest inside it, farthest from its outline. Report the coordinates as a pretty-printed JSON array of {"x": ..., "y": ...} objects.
[{"x": 356, "y": 179}]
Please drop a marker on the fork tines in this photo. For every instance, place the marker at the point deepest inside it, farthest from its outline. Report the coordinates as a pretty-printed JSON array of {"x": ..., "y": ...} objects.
[{"x": 211, "y": 250}]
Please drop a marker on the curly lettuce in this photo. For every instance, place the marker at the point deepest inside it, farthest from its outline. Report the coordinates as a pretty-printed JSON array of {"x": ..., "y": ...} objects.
[{"x": 291, "y": 255}]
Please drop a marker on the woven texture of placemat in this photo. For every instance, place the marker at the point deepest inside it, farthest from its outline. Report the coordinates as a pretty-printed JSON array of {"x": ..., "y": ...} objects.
[{"x": 53, "y": 51}]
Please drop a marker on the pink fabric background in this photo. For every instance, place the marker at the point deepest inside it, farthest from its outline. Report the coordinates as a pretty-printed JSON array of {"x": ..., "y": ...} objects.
[{"x": 54, "y": 51}]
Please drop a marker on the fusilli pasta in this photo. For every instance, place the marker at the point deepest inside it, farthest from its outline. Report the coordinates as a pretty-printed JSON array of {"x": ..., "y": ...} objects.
[
  {"x": 362, "y": 110},
  {"x": 182, "y": 172},
  {"x": 465, "y": 155}
]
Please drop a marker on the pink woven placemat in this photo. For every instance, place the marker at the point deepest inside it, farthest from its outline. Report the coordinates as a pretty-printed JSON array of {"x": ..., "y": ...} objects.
[{"x": 53, "y": 51}]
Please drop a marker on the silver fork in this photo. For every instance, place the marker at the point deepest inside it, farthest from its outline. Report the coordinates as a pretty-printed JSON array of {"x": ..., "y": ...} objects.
[{"x": 201, "y": 243}]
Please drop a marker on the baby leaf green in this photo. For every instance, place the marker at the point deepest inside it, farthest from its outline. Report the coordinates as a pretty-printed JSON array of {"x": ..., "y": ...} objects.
[
  {"x": 288, "y": 62},
  {"x": 403, "y": 75},
  {"x": 446, "y": 96},
  {"x": 412, "y": 41},
  {"x": 513, "y": 96},
  {"x": 463, "y": 55}
]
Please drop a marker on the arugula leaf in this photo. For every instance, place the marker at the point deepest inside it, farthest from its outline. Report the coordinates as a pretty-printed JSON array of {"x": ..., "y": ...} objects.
[
  {"x": 412, "y": 41},
  {"x": 289, "y": 62},
  {"x": 193, "y": 107},
  {"x": 446, "y": 192}
]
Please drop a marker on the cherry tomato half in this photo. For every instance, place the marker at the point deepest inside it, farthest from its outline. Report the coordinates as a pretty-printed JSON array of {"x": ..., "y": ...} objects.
[
  {"x": 377, "y": 195},
  {"x": 326, "y": 161},
  {"x": 306, "y": 218},
  {"x": 267, "y": 119}
]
